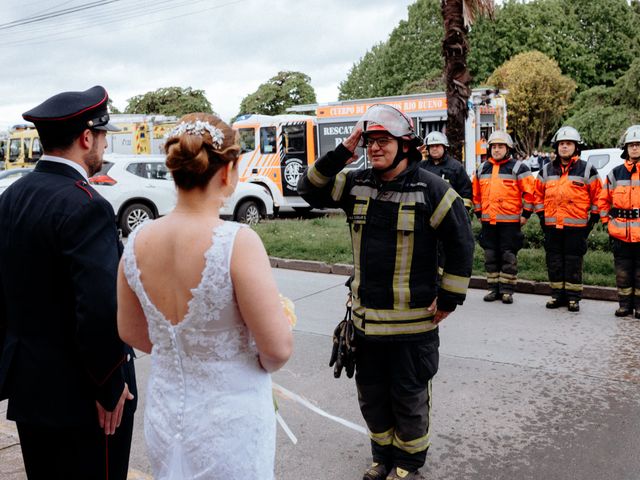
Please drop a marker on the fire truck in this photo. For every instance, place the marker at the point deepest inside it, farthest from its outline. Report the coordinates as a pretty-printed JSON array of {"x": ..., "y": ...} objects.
[
  {"x": 276, "y": 149},
  {"x": 139, "y": 134}
]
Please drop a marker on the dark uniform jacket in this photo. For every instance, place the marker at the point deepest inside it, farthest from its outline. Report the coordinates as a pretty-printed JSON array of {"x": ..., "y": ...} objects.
[
  {"x": 59, "y": 345},
  {"x": 394, "y": 229},
  {"x": 453, "y": 172}
]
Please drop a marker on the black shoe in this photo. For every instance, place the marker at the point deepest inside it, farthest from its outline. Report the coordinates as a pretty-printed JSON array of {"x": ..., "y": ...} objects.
[
  {"x": 507, "y": 298},
  {"x": 556, "y": 302},
  {"x": 491, "y": 297},
  {"x": 637, "y": 315},
  {"x": 376, "y": 471},
  {"x": 625, "y": 312},
  {"x": 574, "y": 306}
]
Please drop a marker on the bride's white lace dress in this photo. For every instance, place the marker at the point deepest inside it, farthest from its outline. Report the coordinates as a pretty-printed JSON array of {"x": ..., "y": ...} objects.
[{"x": 209, "y": 411}]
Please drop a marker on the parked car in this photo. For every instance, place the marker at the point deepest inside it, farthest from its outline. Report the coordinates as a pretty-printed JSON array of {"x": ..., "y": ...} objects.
[
  {"x": 7, "y": 177},
  {"x": 249, "y": 204},
  {"x": 604, "y": 159},
  {"x": 139, "y": 188}
]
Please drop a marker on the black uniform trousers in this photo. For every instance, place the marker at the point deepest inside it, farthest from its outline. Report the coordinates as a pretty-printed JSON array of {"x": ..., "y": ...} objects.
[
  {"x": 76, "y": 453},
  {"x": 626, "y": 257},
  {"x": 501, "y": 243},
  {"x": 565, "y": 249},
  {"x": 394, "y": 391}
]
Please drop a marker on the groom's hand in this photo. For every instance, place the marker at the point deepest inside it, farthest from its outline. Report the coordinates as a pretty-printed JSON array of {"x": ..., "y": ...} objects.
[{"x": 109, "y": 421}]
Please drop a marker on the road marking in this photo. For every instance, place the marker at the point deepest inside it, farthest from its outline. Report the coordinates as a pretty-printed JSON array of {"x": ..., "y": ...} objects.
[{"x": 284, "y": 393}]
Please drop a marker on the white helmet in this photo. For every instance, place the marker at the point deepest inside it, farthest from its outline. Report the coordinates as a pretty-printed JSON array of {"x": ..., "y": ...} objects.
[
  {"x": 381, "y": 117},
  {"x": 631, "y": 135},
  {"x": 567, "y": 133},
  {"x": 500, "y": 137},
  {"x": 437, "y": 138}
]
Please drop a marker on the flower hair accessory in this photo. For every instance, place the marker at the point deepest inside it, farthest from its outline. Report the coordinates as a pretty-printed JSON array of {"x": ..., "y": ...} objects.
[{"x": 198, "y": 128}]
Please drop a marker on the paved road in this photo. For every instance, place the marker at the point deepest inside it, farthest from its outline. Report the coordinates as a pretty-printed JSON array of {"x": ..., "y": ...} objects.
[{"x": 522, "y": 393}]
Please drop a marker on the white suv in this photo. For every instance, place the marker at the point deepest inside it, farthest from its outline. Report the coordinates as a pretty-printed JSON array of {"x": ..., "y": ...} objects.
[{"x": 140, "y": 188}]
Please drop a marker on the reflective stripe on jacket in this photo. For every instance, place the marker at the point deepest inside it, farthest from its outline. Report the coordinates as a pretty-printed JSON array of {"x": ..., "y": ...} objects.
[
  {"x": 502, "y": 191},
  {"x": 621, "y": 191},
  {"x": 567, "y": 195}
]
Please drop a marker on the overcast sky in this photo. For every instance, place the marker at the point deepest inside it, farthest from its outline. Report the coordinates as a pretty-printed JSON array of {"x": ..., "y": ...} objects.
[{"x": 225, "y": 47}]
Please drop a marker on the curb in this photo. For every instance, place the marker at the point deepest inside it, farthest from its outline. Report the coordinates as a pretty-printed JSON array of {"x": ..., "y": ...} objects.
[{"x": 590, "y": 292}]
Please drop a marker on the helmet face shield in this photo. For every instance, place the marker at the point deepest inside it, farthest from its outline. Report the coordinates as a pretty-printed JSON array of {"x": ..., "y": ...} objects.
[{"x": 385, "y": 118}]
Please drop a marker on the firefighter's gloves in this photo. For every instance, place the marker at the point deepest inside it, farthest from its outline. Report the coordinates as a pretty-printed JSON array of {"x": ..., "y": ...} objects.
[{"x": 343, "y": 353}]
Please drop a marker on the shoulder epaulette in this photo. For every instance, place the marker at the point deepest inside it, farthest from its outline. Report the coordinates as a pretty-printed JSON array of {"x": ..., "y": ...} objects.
[{"x": 82, "y": 185}]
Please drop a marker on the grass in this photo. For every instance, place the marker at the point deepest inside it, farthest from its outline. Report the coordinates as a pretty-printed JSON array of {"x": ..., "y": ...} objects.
[{"x": 327, "y": 239}]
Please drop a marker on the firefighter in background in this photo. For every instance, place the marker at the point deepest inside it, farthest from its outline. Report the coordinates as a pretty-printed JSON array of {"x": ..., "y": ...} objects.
[
  {"x": 440, "y": 163},
  {"x": 396, "y": 212},
  {"x": 619, "y": 205},
  {"x": 503, "y": 201},
  {"x": 566, "y": 198}
]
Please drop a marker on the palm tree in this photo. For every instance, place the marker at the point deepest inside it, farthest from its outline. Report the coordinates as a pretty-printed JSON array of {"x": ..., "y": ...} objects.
[{"x": 458, "y": 15}]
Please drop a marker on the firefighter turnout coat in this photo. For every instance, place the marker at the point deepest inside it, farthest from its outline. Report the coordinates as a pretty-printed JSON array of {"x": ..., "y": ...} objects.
[
  {"x": 502, "y": 191},
  {"x": 619, "y": 202},
  {"x": 452, "y": 171},
  {"x": 395, "y": 227},
  {"x": 566, "y": 196}
]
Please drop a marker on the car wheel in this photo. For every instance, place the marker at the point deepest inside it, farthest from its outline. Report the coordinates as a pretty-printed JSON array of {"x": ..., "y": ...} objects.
[
  {"x": 249, "y": 212},
  {"x": 134, "y": 215}
]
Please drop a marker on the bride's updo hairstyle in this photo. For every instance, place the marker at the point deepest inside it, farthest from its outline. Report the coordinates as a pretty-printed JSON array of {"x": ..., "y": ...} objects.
[{"x": 198, "y": 146}]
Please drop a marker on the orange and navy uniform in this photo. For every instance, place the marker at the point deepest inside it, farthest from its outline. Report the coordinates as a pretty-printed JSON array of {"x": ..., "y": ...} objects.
[
  {"x": 503, "y": 191},
  {"x": 567, "y": 195},
  {"x": 619, "y": 202}
]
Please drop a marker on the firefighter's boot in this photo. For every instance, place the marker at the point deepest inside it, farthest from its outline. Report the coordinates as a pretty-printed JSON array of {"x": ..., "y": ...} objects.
[
  {"x": 556, "y": 302},
  {"x": 377, "y": 471},
  {"x": 637, "y": 314},
  {"x": 492, "y": 296},
  {"x": 507, "y": 298},
  {"x": 624, "y": 311},
  {"x": 398, "y": 473},
  {"x": 574, "y": 306}
]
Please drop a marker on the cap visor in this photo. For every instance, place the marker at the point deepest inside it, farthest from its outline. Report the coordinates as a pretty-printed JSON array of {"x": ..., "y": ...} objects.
[{"x": 109, "y": 127}]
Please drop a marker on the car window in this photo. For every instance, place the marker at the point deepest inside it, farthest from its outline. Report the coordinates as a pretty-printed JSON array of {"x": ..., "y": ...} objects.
[
  {"x": 106, "y": 166},
  {"x": 599, "y": 161},
  {"x": 150, "y": 170}
]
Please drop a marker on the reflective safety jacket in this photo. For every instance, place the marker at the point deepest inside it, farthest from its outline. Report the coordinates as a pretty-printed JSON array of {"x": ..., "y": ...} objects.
[
  {"x": 566, "y": 196},
  {"x": 619, "y": 202},
  {"x": 502, "y": 191},
  {"x": 452, "y": 171},
  {"x": 395, "y": 226}
]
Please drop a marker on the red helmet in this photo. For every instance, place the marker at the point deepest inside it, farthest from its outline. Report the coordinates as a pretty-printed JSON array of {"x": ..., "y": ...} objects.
[{"x": 385, "y": 118}]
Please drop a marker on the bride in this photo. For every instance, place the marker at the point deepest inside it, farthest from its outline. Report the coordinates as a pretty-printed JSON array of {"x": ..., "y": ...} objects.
[{"x": 198, "y": 294}]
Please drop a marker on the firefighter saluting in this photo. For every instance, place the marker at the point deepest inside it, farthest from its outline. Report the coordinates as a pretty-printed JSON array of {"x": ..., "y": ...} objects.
[
  {"x": 567, "y": 193},
  {"x": 502, "y": 201},
  {"x": 620, "y": 210},
  {"x": 397, "y": 212}
]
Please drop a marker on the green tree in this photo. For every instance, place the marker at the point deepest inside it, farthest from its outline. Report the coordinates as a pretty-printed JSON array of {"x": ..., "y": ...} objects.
[
  {"x": 112, "y": 108},
  {"x": 539, "y": 96},
  {"x": 169, "y": 101},
  {"x": 602, "y": 113},
  {"x": 593, "y": 41},
  {"x": 433, "y": 82},
  {"x": 280, "y": 92}
]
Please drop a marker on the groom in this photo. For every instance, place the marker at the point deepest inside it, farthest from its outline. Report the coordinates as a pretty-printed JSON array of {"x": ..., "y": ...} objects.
[{"x": 68, "y": 377}]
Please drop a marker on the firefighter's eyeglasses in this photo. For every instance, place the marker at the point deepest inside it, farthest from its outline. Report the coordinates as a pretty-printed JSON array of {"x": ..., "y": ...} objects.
[
  {"x": 633, "y": 145},
  {"x": 382, "y": 142}
]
